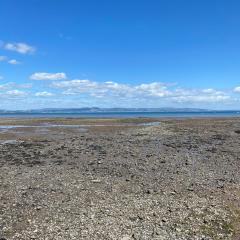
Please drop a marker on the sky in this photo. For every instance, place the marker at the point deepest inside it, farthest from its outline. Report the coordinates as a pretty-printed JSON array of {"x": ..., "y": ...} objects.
[{"x": 128, "y": 53}]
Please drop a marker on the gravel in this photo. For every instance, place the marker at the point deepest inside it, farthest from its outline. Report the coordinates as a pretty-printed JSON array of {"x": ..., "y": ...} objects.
[{"x": 179, "y": 179}]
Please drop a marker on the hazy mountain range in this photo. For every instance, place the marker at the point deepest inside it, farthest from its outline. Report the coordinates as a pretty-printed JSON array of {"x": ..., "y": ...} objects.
[{"x": 96, "y": 109}]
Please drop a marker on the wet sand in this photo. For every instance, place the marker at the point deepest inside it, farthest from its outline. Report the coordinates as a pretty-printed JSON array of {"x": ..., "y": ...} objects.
[{"x": 120, "y": 179}]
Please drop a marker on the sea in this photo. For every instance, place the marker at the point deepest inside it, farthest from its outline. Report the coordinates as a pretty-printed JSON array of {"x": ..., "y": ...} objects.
[{"x": 200, "y": 114}]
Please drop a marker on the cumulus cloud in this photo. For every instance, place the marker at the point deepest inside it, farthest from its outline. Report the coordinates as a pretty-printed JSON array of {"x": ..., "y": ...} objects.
[
  {"x": 237, "y": 89},
  {"x": 200, "y": 98},
  {"x": 48, "y": 76},
  {"x": 14, "y": 62},
  {"x": 43, "y": 94},
  {"x": 12, "y": 91},
  {"x": 155, "y": 91},
  {"x": 181, "y": 95},
  {"x": 22, "y": 48},
  {"x": 109, "y": 93}
]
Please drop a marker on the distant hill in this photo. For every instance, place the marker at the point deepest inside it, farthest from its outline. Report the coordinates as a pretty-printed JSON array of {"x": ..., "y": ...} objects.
[{"x": 96, "y": 109}]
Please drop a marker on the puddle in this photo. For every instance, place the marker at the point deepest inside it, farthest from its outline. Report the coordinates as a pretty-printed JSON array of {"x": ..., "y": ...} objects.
[
  {"x": 82, "y": 127},
  {"x": 10, "y": 142},
  {"x": 150, "y": 124}
]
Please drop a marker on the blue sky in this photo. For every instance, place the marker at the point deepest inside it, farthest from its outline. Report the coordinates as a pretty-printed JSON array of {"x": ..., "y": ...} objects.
[{"x": 128, "y": 53}]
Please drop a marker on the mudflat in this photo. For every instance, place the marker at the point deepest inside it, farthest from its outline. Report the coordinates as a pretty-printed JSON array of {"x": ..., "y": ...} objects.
[{"x": 119, "y": 179}]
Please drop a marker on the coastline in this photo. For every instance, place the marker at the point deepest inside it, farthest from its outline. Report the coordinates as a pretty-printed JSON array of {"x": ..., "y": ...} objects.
[{"x": 177, "y": 113}]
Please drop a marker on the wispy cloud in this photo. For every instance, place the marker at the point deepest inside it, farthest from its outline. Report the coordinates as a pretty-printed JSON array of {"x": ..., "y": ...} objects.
[
  {"x": 14, "y": 62},
  {"x": 15, "y": 93},
  {"x": 22, "y": 48},
  {"x": 12, "y": 91},
  {"x": 65, "y": 37},
  {"x": 48, "y": 76},
  {"x": 3, "y": 58},
  {"x": 12, "y": 85},
  {"x": 44, "y": 94},
  {"x": 11, "y": 61}
]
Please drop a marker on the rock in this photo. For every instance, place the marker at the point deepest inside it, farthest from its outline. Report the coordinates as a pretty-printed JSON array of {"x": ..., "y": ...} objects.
[
  {"x": 190, "y": 189},
  {"x": 96, "y": 180},
  {"x": 164, "y": 220},
  {"x": 149, "y": 191},
  {"x": 178, "y": 229},
  {"x": 126, "y": 238}
]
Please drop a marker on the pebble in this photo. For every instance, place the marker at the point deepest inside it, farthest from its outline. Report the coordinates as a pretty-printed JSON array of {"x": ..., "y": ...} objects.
[{"x": 126, "y": 238}]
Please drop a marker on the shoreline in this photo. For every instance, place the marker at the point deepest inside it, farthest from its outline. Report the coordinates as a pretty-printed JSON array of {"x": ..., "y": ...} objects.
[{"x": 124, "y": 114}]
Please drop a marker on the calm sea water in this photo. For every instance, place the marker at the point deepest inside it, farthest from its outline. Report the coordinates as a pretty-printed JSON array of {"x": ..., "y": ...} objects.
[{"x": 124, "y": 114}]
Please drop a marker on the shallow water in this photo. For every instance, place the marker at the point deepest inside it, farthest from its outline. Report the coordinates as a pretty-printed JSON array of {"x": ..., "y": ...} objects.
[
  {"x": 149, "y": 124},
  {"x": 81, "y": 126},
  {"x": 122, "y": 114},
  {"x": 11, "y": 141}
]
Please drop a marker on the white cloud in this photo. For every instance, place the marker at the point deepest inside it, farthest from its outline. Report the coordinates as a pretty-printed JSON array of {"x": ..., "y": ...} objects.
[
  {"x": 14, "y": 62},
  {"x": 15, "y": 93},
  {"x": 5, "y": 86},
  {"x": 237, "y": 89},
  {"x": 11, "y": 61},
  {"x": 74, "y": 87},
  {"x": 22, "y": 48},
  {"x": 210, "y": 95},
  {"x": 155, "y": 91},
  {"x": 48, "y": 76},
  {"x": 3, "y": 58},
  {"x": 43, "y": 94},
  {"x": 24, "y": 85},
  {"x": 208, "y": 90},
  {"x": 12, "y": 85},
  {"x": 110, "y": 94},
  {"x": 77, "y": 86},
  {"x": 192, "y": 98}
]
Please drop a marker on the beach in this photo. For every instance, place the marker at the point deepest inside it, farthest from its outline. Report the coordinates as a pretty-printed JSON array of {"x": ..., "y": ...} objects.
[{"x": 136, "y": 178}]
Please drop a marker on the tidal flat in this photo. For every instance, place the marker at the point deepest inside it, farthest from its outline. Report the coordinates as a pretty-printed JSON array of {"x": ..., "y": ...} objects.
[{"x": 120, "y": 179}]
